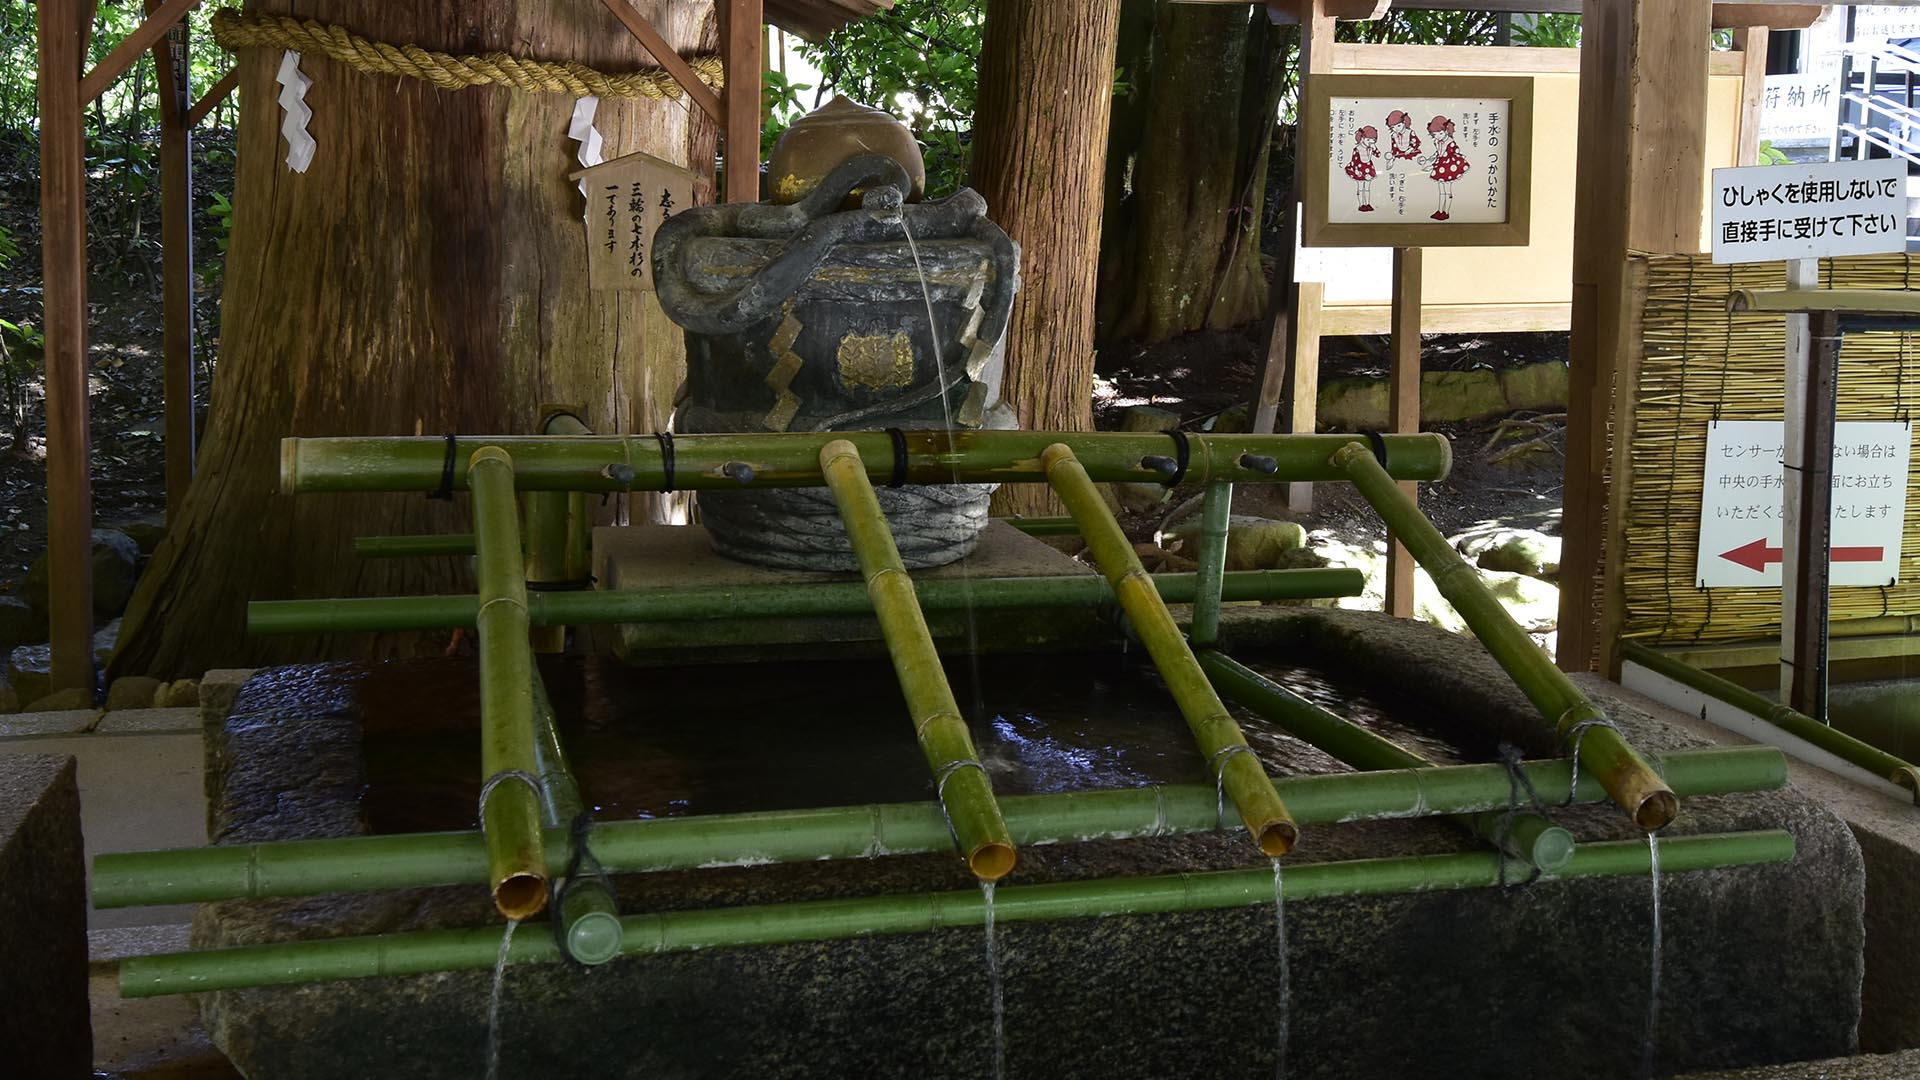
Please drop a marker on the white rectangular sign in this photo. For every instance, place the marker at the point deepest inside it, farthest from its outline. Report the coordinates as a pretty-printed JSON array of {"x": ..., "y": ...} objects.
[
  {"x": 1762, "y": 213},
  {"x": 1800, "y": 108},
  {"x": 1740, "y": 511}
]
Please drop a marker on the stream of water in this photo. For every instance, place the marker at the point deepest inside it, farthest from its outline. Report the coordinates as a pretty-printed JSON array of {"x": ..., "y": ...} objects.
[
  {"x": 1283, "y": 998},
  {"x": 493, "y": 1001},
  {"x": 1653, "y": 961},
  {"x": 994, "y": 989}
]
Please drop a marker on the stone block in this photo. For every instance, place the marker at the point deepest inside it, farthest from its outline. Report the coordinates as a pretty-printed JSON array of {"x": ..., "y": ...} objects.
[
  {"x": 1253, "y": 543},
  {"x": 115, "y": 565},
  {"x": 63, "y": 722},
  {"x": 30, "y": 670},
  {"x": 149, "y": 722},
  {"x": 44, "y": 1026},
  {"x": 9, "y": 697},
  {"x": 132, "y": 692},
  {"x": 1901, "y": 1066},
  {"x": 1538, "y": 387},
  {"x": 1149, "y": 418},
  {"x": 178, "y": 694},
  {"x": 20, "y": 623},
  {"x": 61, "y": 701}
]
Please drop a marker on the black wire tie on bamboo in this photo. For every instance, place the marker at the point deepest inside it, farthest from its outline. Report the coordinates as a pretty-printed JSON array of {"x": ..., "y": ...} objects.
[
  {"x": 1379, "y": 444},
  {"x": 1171, "y": 469},
  {"x": 1575, "y": 736},
  {"x": 665, "y": 438},
  {"x": 445, "y": 491},
  {"x": 1218, "y": 763},
  {"x": 940, "y": 795},
  {"x": 1517, "y": 781},
  {"x": 899, "y": 440}
]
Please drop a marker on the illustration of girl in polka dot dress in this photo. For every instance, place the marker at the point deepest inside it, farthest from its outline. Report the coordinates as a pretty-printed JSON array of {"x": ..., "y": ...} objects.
[
  {"x": 1445, "y": 165},
  {"x": 1360, "y": 166},
  {"x": 1402, "y": 143}
]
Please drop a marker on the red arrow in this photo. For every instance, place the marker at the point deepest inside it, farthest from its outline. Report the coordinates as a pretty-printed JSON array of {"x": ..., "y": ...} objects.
[{"x": 1756, "y": 555}]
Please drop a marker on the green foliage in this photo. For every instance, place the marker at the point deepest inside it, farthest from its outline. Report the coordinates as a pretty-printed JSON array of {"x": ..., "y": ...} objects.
[
  {"x": 780, "y": 106},
  {"x": 1548, "y": 32},
  {"x": 1422, "y": 28},
  {"x": 1771, "y": 155},
  {"x": 919, "y": 61},
  {"x": 21, "y": 349}
]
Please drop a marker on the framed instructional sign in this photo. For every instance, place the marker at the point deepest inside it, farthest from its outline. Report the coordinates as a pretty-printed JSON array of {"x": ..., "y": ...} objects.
[{"x": 1416, "y": 160}]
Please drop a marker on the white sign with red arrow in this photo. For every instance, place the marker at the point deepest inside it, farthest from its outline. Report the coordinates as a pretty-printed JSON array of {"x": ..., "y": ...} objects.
[{"x": 1740, "y": 512}]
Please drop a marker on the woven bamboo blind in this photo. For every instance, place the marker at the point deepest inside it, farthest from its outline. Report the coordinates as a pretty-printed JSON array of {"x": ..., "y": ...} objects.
[{"x": 1696, "y": 363}]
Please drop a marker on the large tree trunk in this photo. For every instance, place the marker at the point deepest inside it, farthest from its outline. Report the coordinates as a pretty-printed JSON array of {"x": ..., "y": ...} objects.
[
  {"x": 426, "y": 275},
  {"x": 1039, "y": 142},
  {"x": 1187, "y": 169}
]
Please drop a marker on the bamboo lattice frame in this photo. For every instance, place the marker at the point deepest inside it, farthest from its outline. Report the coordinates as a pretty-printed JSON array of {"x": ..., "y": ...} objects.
[{"x": 1694, "y": 360}]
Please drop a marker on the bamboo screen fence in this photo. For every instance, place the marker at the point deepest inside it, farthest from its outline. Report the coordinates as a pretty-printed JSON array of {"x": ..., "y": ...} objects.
[{"x": 1697, "y": 363}]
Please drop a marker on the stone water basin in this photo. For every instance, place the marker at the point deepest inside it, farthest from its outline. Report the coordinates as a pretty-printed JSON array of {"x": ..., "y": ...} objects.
[{"x": 1761, "y": 964}]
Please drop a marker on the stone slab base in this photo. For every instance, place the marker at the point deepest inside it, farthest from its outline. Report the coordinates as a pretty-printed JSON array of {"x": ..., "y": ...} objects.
[
  {"x": 645, "y": 557},
  {"x": 1902, "y": 1066},
  {"x": 44, "y": 1029}
]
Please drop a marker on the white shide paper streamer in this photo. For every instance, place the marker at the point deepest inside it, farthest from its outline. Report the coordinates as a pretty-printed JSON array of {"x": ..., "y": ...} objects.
[
  {"x": 581, "y": 130},
  {"x": 293, "y": 93}
]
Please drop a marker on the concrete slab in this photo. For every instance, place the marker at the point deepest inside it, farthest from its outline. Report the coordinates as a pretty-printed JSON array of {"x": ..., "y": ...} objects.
[
  {"x": 1903, "y": 1066},
  {"x": 43, "y": 979},
  {"x": 137, "y": 793},
  {"x": 152, "y": 1038},
  {"x": 108, "y": 946},
  {"x": 150, "y": 722},
  {"x": 65, "y": 722},
  {"x": 1888, "y": 832},
  {"x": 647, "y": 557}
]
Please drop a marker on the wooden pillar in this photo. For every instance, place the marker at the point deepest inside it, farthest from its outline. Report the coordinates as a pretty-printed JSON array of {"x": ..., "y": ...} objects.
[
  {"x": 1639, "y": 186},
  {"x": 63, "y": 26},
  {"x": 1303, "y": 379},
  {"x": 1751, "y": 42},
  {"x": 176, "y": 247},
  {"x": 740, "y": 38},
  {"x": 1813, "y": 351},
  {"x": 1283, "y": 299},
  {"x": 1403, "y": 410}
]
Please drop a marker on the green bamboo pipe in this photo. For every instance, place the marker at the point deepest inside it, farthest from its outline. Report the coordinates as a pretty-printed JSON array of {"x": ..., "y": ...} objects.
[
  {"x": 673, "y": 604},
  {"x": 1045, "y": 526},
  {"x": 424, "y": 952},
  {"x": 1216, "y": 515},
  {"x": 412, "y": 547},
  {"x": 553, "y": 544},
  {"x": 1219, "y": 738},
  {"x": 1527, "y": 836},
  {"x": 510, "y": 799},
  {"x": 589, "y": 916},
  {"x": 1635, "y": 787},
  {"x": 1833, "y": 741},
  {"x": 367, "y": 863},
  {"x": 623, "y": 462},
  {"x": 961, "y": 782}
]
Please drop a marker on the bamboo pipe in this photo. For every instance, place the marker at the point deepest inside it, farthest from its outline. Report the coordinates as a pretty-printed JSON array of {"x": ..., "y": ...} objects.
[
  {"x": 620, "y": 463},
  {"x": 590, "y": 607},
  {"x": 552, "y": 545},
  {"x": 411, "y": 547},
  {"x": 510, "y": 799},
  {"x": 1216, "y": 516},
  {"x": 1635, "y": 787},
  {"x": 1044, "y": 526},
  {"x": 589, "y": 916},
  {"x": 1832, "y": 740},
  {"x": 424, "y": 952},
  {"x": 367, "y": 863},
  {"x": 1219, "y": 738},
  {"x": 1526, "y": 836},
  {"x": 961, "y": 782}
]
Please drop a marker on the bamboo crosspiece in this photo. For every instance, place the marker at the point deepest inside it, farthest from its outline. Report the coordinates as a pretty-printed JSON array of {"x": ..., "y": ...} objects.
[
  {"x": 961, "y": 782},
  {"x": 1576, "y": 720},
  {"x": 1238, "y": 771},
  {"x": 510, "y": 795}
]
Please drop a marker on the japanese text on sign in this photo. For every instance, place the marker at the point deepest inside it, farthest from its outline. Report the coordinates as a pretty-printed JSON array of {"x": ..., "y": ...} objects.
[
  {"x": 1744, "y": 488},
  {"x": 628, "y": 198},
  {"x": 1769, "y": 212}
]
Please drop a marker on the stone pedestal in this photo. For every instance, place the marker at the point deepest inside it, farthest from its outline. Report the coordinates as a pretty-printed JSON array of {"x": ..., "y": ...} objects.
[{"x": 44, "y": 1027}]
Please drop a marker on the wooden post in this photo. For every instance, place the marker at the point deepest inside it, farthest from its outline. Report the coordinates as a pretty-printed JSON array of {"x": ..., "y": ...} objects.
[
  {"x": 1812, "y": 350},
  {"x": 740, "y": 42},
  {"x": 1403, "y": 410},
  {"x": 176, "y": 248},
  {"x": 1303, "y": 379},
  {"x": 1283, "y": 300},
  {"x": 1752, "y": 43},
  {"x": 1640, "y": 185},
  {"x": 63, "y": 257}
]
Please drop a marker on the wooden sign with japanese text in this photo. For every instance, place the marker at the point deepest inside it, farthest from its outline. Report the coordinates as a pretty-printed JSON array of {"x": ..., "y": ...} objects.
[
  {"x": 627, "y": 199},
  {"x": 1417, "y": 160}
]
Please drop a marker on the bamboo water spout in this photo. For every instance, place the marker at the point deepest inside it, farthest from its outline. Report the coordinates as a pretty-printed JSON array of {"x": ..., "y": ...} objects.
[
  {"x": 559, "y": 534},
  {"x": 1577, "y": 721},
  {"x": 961, "y": 782},
  {"x": 589, "y": 917},
  {"x": 510, "y": 792},
  {"x": 369, "y": 863},
  {"x": 1228, "y": 756},
  {"x": 822, "y": 920}
]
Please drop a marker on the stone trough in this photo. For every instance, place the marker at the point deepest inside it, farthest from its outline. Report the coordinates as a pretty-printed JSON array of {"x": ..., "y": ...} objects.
[{"x": 1760, "y": 964}]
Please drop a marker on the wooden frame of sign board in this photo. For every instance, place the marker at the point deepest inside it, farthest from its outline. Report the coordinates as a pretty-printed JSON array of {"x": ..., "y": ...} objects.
[{"x": 1316, "y": 140}]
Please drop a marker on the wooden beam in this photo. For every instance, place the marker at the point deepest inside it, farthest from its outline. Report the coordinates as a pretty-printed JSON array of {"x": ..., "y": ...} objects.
[
  {"x": 663, "y": 54},
  {"x": 63, "y": 260},
  {"x": 1751, "y": 43},
  {"x": 1303, "y": 380},
  {"x": 1735, "y": 16},
  {"x": 740, "y": 45},
  {"x": 1403, "y": 410},
  {"x": 213, "y": 97},
  {"x": 176, "y": 256},
  {"x": 144, "y": 37}
]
